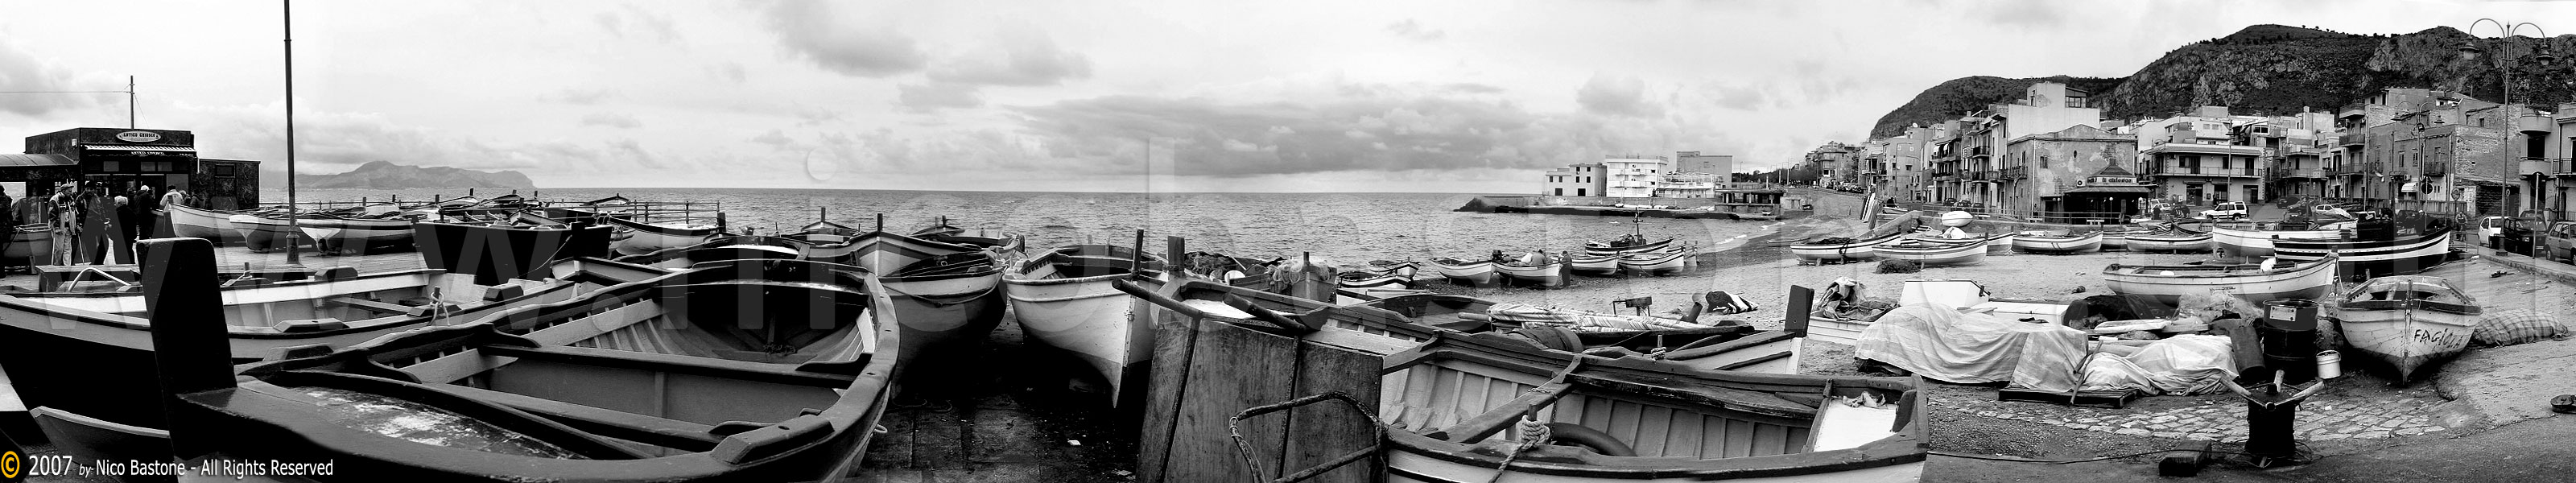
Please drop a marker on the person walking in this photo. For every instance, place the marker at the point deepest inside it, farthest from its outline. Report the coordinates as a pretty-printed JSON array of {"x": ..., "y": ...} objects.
[
  {"x": 64, "y": 211},
  {"x": 146, "y": 208},
  {"x": 97, "y": 225}
]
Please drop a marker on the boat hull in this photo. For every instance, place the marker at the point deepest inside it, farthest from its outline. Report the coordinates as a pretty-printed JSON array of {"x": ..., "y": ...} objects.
[
  {"x": 939, "y": 313},
  {"x": 29, "y": 245},
  {"x": 2078, "y": 244},
  {"x": 1595, "y": 265},
  {"x": 1544, "y": 275},
  {"x": 261, "y": 233},
  {"x": 2308, "y": 280},
  {"x": 1090, "y": 319},
  {"x": 212, "y": 225},
  {"x": 1477, "y": 274},
  {"x": 357, "y": 236},
  {"x": 1936, "y": 254},
  {"x": 1600, "y": 248},
  {"x": 2146, "y": 243},
  {"x": 1655, "y": 263},
  {"x": 2372, "y": 259},
  {"x": 499, "y": 253},
  {"x": 2246, "y": 243},
  {"x": 2410, "y": 341},
  {"x": 1861, "y": 250},
  {"x": 644, "y": 237}
]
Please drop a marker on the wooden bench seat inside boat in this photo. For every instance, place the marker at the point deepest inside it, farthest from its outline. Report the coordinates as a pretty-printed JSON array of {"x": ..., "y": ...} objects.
[
  {"x": 750, "y": 371},
  {"x": 664, "y": 432}
]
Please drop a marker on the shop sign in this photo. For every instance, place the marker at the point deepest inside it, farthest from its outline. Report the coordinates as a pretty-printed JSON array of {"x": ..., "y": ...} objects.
[{"x": 138, "y": 136}]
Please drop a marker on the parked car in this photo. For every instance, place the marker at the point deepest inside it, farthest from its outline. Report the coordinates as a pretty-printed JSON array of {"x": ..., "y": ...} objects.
[
  {"x": 2559, "y": 241},
  {"x": 2229, "y": 210}
]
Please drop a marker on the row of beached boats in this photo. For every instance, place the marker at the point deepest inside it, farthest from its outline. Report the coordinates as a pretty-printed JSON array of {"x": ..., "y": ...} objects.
[
  {"x": 1929, "y": 248},
  {"x": 525, "y": 354},
  {"x": 387, "y": 226}
]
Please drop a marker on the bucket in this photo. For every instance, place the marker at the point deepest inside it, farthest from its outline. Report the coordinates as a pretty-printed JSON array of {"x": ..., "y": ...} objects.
[{"x": 2329, "y": 364}]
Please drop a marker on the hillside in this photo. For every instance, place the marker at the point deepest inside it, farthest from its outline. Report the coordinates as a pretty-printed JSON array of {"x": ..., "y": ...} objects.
[
  {"x": 387, "y": 175},
  {"x": 2274, "y": 69}
]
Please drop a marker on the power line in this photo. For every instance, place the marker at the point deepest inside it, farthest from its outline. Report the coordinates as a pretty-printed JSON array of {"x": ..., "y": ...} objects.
[{"x": 62, "y": 92}]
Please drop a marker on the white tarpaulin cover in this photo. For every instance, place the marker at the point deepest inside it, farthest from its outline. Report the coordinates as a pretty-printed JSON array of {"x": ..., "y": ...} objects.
[{"x": 1939, "y": 342}]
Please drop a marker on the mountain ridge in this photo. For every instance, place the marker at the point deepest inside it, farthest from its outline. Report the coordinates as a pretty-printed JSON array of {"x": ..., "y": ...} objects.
[{"x": 390, "y": 175}]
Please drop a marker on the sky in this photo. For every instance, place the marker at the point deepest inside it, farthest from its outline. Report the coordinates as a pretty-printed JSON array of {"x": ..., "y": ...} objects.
[{"x": 1100, "y": 95}]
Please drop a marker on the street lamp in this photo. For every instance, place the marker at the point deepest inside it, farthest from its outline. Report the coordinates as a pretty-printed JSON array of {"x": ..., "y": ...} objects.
[{"x": 2469, "y": 51}]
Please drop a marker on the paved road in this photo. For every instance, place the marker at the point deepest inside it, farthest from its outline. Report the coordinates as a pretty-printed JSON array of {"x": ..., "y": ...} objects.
[{"x": 2542, "y": 450}]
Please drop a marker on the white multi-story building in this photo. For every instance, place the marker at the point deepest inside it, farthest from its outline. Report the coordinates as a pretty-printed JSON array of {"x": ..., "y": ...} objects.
[
  {"x": 1632, "y": 175},
  {"x": 1576, "y": 180}
]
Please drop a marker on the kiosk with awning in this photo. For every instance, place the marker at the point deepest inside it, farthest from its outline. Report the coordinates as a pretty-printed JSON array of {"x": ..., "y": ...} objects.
[{"x": 124, "y": 158}]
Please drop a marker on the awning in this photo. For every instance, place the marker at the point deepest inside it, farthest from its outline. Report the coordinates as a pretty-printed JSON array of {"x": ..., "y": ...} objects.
[
  {"x": 2109, "y": 190},
  {"x": 27, "y": 160},
  {"x": 117, "y": 147}
]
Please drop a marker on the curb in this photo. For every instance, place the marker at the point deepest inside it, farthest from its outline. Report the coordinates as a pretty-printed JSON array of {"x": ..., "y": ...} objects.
[{"x": 2526, "y": 264}]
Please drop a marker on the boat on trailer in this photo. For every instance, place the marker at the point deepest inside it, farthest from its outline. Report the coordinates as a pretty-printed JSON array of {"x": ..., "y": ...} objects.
[
  {"x": 1450, "y": 407},
  {"x": 2037, "y": 243},
  {"x": 764, "y": 370},
  {"x": 2255, "y": 282},
  {"x": 1066, "y": 299},
  {"x": 2411, "y": 322}
]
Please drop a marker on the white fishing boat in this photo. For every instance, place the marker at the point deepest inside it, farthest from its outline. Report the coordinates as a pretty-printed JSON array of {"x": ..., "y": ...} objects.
[
  {"x": 2170, "y": 242},
  {"x": 2118, "y": 240},
  {"x": 1654, "y": 263},
  {"x": 212, "y": 225},
  {"x": 1632, "y": 244},
  {"x": 1962, "y": 294},
  {"x": 1934, "y": 253},
  {"x": 359, "y": 235},
  {"x": 1470, "y": 273},
  {"x": 2001, "y": 243},
  {"x": 1355, "y": 279},
  {"x": 647, "y": 237},
  {"x": 1066, "y": 299},
  {"x": 2412, "y": 322},
  {"x": 1595, "y": 264},
  {"x": 2037, "y": 243},
  {"x": 2257, "y": 243},
  {"x": 2255, "y": 282},
  {"x": 1852, "y": 250},
  {"x": 1539, "y": 269}
]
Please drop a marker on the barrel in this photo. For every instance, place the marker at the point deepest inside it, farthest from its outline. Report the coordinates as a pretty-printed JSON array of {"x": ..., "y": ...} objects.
[{"x": 2288, "y": 332}]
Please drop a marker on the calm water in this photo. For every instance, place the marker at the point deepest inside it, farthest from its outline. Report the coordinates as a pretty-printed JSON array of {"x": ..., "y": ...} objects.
[{"x": 1342, "y": 227}]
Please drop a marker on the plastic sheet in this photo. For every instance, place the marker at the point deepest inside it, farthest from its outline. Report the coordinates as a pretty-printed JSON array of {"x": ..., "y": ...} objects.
[
  {"x": 2182, "y": 365},
  {"x": 1938, "y": 342}
]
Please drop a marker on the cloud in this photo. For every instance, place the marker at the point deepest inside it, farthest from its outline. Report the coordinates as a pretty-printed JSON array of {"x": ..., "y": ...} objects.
[
  {"x": 611, "y": 119},
  {"x": 939, "y": 95},
  {"x": 728, "y": 71},
  {"x": 808, "y": 29},
  {"x": 1424, "y": 127},
  {"x": 1474, "y": 88},
  {"x": 579, "y": 97},
  {"x": 22, "y": 71},
  {"x": 1739, "y": 97},
  {"x": 1026, "y": 57},
  {"x": 1615, "y": 94},
  {"x": 775, "y": 139},
  {"x": 1411, "y": 29},
  {"x": 2022, "y": 13},
  {"x": 330, "y": 139}
]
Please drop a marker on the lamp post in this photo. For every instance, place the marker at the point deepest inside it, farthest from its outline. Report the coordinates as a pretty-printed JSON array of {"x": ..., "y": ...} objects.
[{"x": 2469, "y": 50}]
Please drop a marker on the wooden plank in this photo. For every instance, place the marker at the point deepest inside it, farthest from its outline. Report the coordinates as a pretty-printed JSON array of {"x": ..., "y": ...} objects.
[
  {"x": 1174, "y": 338},
  {"x": 1236, "y": 369},
  {"x": 1321, "y": 432}
]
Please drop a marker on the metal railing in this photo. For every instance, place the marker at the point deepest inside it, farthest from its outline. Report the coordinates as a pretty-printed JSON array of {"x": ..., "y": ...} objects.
[
  {"x": 2205, "y": 171},
  {"x": 2016, "y": 172}
]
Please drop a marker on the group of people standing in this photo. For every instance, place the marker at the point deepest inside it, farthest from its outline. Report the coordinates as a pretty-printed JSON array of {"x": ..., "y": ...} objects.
[{"x": 93, "y": 222}]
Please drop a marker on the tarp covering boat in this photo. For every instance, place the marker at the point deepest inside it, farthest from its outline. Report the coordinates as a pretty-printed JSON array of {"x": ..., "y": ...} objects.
[{"x": 1940, "y": 342}]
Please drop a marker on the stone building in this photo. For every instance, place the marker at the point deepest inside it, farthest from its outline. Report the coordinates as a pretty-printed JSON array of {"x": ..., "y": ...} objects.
[{"x": 2035, "y": 171}]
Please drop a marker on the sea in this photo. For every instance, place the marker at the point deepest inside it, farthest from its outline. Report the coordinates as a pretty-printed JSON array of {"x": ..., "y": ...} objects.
[{"x": 1331, "y": 227}]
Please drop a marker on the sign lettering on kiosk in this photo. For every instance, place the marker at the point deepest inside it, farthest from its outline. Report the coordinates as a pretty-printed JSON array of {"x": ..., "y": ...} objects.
[{"x": 138, "y": 136}]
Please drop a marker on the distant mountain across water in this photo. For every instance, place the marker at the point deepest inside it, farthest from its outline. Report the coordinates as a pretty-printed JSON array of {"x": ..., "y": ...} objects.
[{"x": 388, "y": 175}]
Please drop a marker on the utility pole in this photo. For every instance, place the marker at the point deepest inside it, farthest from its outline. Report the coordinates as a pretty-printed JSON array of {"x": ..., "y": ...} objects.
[
  {"x": 129, "y": 102},
  {"x": 293, "y": 212}
]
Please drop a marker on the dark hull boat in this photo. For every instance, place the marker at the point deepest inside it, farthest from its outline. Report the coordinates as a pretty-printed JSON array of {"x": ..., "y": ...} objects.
[
  {"x": 87, "y": 357},
  {"x": 1450, "y": 406},
  {"x": 499, "y": 251},
  {"x": 1623, "y": 247},
  {"x": 2377, "y": 250},
  {"x": 360, "y": 235},
  {"x": 764, "y": 370},
  {"x": 947, "y": 295}
]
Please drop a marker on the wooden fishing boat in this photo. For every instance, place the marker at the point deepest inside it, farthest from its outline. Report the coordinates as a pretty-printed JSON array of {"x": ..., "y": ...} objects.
[
  {"x": 1065, "y": 299},
  {"x": 1372, "y": 280},
  {"x": 1619, "y": 247},
  {"x": 1833, "y": 252},
  {"x": 1232, "y": 270},
  {"x": 497, "y": 252},
  {"x": 1450, "y": 408},
  {"x": 212, "y": 225},
  {"x": 948, "y": 296},
  {"x": 2257, "y": 243},
  {"x": 2170, "y": 242},
  {"x": 1727, "y": 346},
  {"x": 647, "y": 237},
  {"x": 360, "y": 235},
  {"x": 769, "y": 370},
  {"x": 722, "y": 248},
  {"x": 613, "y": 206},
  {"x": 1479, "y": 273},
  {"x": 1934, "y": 253},
  {"x": 2033, "y": 243},
  {"x": 269, "y": 229},
  {"x": 2371, "y": 255},
  {"x": 90, "y": 352},
  {"x": 2251, "y": 281},
  {"x": 30, "y": 244},
  {"x": 1594, "y": 264},
  {"x": 1654, "y": 263},
  {"x": 1404, "y": 269},
  {"x": 1534, "y": 269},
  {"x": 2411, "y": 322},
  {"x": 2001, "y": 243},
  {"x": 991, "y": 239}
]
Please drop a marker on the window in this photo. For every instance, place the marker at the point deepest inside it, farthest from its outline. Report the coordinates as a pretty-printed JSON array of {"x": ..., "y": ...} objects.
[
  {"x": 2043, "y": 161},
  {"x": 1579, "y": 192},
  {"x": 223, "y": 171},
  {"x": 110, "y": 166},
  {"x": 1560, "y": 191}
]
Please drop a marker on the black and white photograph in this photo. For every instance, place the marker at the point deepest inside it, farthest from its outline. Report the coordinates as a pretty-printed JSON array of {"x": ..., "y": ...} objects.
[{"x": 1155, "y": 241}]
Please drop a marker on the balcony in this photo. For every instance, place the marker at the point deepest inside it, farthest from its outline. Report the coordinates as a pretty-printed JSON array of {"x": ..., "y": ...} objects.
[
  {"x": 2016, "y": 172},
  {"x": 1977, "y": 152},
  {"x": 2540, "y": 166},
  {"x": 2352, "y": 140},
  {"x": 2534, "y": 123},
  {"x": 2286, "y": 172},
  {"x": 1943, "y": 172},
  {"x": 1981, "y": 176},
  {"x": 2245, "y": 171},
  {"x": 2437, "y": 168}
]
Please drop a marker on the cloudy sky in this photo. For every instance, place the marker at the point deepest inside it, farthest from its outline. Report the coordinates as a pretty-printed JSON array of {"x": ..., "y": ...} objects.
[{"x": 1190, "y": 95}]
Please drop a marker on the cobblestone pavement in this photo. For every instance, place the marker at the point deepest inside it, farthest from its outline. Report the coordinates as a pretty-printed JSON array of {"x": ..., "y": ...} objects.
[{"x": 2324, "y": 418}]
